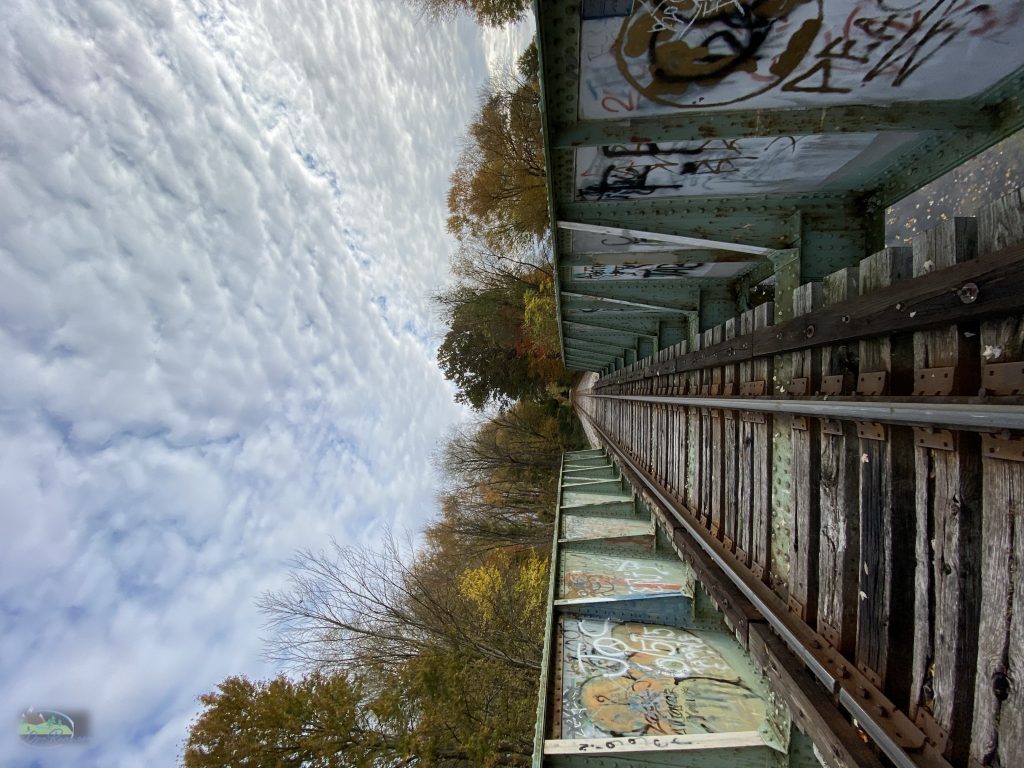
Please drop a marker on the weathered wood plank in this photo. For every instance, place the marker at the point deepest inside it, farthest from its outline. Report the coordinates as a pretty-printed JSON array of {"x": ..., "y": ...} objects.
[
  {"x": 717, "y": 443},
  {"x": 745, "y": 461},
  {"x": 1000, "y": 223},
  {"x": 997, "y": 737},
  {"x": 761, "y": 439},
  {"x": 693, "y": 424},
  {"x": 730, "y": 447},
  {"x": 948, "y": 507},
  {"x": 839, "y": 550},
  {"x": 805, "y": 474},
  {"x": 707, "y": 480},
  {"x": 885, "y": 614},
  {"x": 998, "y": 728}
]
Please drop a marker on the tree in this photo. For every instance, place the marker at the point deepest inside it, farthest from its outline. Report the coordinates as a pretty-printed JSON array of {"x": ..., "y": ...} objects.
[
  {"x": 498, "y": 190},
  {"x": 480, "y": 351},
  {"x": 281, "y": 723},
  {"x": 490, "y": 13},
  {"x": 354, "y": 606}
]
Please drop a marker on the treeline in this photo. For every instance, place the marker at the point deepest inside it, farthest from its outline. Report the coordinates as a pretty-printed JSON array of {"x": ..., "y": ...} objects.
[
  {"x": 412, "y": 656},
  {"x": 429, "y": 655}
]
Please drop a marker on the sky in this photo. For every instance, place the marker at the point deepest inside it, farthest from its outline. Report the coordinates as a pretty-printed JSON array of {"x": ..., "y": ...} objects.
[{"x": 220, "y": 223}]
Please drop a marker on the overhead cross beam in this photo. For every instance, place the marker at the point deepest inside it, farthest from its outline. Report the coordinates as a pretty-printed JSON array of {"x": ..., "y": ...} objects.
[
  {"x": 796, "y": 121},
  {"x": 624, "y": 302},
  {"x": 689, "y": 242}
]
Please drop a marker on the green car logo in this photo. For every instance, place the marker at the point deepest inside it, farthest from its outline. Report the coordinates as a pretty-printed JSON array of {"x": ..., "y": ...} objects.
[{"x": 46, "y": 726}]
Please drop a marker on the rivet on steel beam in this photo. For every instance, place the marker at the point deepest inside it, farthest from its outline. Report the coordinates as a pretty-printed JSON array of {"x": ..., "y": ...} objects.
[
  {"x": 863, "y": 692},
  {"x": 968, "y": 293},
  {"x": 881, "y": 711},
  {"x": 846, "y": 318},
  {"x": 808, "y": 332}
]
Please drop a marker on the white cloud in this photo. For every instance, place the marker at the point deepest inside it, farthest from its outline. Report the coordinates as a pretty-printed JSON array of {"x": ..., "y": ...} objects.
[
  {"x": 503, "y": 45},
  {"x": 219, "y": 225}
]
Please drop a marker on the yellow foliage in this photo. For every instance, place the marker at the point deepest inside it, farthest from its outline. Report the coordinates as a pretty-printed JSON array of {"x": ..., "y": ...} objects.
[{"x": 507, "y": 579}]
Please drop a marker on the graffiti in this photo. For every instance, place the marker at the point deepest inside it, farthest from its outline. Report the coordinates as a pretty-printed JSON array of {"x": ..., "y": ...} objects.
[
  {"x": 635, "y": 271},
  {"x": 718, "y": 166},
  {"x": 583, "y": 527},
  {"x": 634, "y": 679},
  {"x": 593, "y": 242},
  {"x": 676, "y": 54},
  {"x": 591, "y": 575}
]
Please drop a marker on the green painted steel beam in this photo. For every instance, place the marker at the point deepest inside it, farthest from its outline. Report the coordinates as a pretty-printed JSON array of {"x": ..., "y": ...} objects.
[
  {"x": 587, "y": 345},
  {"x": 610, "y": 292},
  {"x": 589, "y": 354},
  {"x": 609, "y": 336},
  {"x": 938, "y": 154},
  {"x": 679, "y": 293},
  {"x": 678, "y": 256},
  {"x": 664, "y": 237},
  {"x": 610, "y": 323},
  {"x": 796, "y": 121},
  {"x": 757, "y": 220},
  {"x": 591, "y": 363},
  {"x": 604, "y": 355}
]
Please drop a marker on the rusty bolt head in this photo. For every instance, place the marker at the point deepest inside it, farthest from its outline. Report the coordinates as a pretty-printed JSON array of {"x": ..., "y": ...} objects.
[
  {"x": 809, "y": 331},
  {"x": 968, "y": 293},
  {"x": 862, "y": 692},
  {"x": 881, "y": 711}
]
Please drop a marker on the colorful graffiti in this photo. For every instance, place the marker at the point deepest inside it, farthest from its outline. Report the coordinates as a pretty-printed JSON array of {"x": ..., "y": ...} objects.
[
  {"x": 586, "y": 574},
  {"x": 645, "y": 680},
  {"x": 720, "y": 166},
  {"x": 671, "y": 54},
  {"x": 634, "y": 271},
  {"x": 584, "y": 527}
]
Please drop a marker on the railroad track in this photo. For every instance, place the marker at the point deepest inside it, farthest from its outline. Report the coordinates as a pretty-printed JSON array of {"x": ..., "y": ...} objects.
[{"x": 853, "y": 479}]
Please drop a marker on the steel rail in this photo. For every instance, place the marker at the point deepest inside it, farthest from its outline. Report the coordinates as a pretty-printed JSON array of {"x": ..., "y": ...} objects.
[
  {"x": 957, "y": 415},
  {"x": 884, "y": 741}
]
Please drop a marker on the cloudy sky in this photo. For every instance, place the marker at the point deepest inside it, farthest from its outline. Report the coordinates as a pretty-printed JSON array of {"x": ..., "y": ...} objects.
[{"x": 219, "y": 223}]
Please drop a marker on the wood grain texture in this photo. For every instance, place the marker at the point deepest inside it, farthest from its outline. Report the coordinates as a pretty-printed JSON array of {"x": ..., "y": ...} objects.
[
  {"x": 730, "y": 447},
  {"x": 997, "y": 737},
  {"x": 745, "y": 462},
  {"x": 998, "y": 728},
  {"x": 885, "y": 612},
  {"x": 761, "y": 443},
  {"x": 841, "y": 359},
  {"x": 804, "y": 540},
  {"x": 717, "y": 443},
  {"x": 839, "y": 542},
  {"x": 948, "y": 508}
]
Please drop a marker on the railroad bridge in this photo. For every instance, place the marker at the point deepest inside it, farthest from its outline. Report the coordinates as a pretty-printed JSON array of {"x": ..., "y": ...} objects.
[{"x": 798, "y": 540}]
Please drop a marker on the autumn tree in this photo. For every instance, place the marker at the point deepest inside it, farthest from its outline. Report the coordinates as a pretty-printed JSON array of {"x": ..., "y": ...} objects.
[
  {"x": 490, "y": 13},
  {"x": 353, "y": 605},
  {"x": 315, "y": 721},
  {"x": 498, "y": 190}
]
